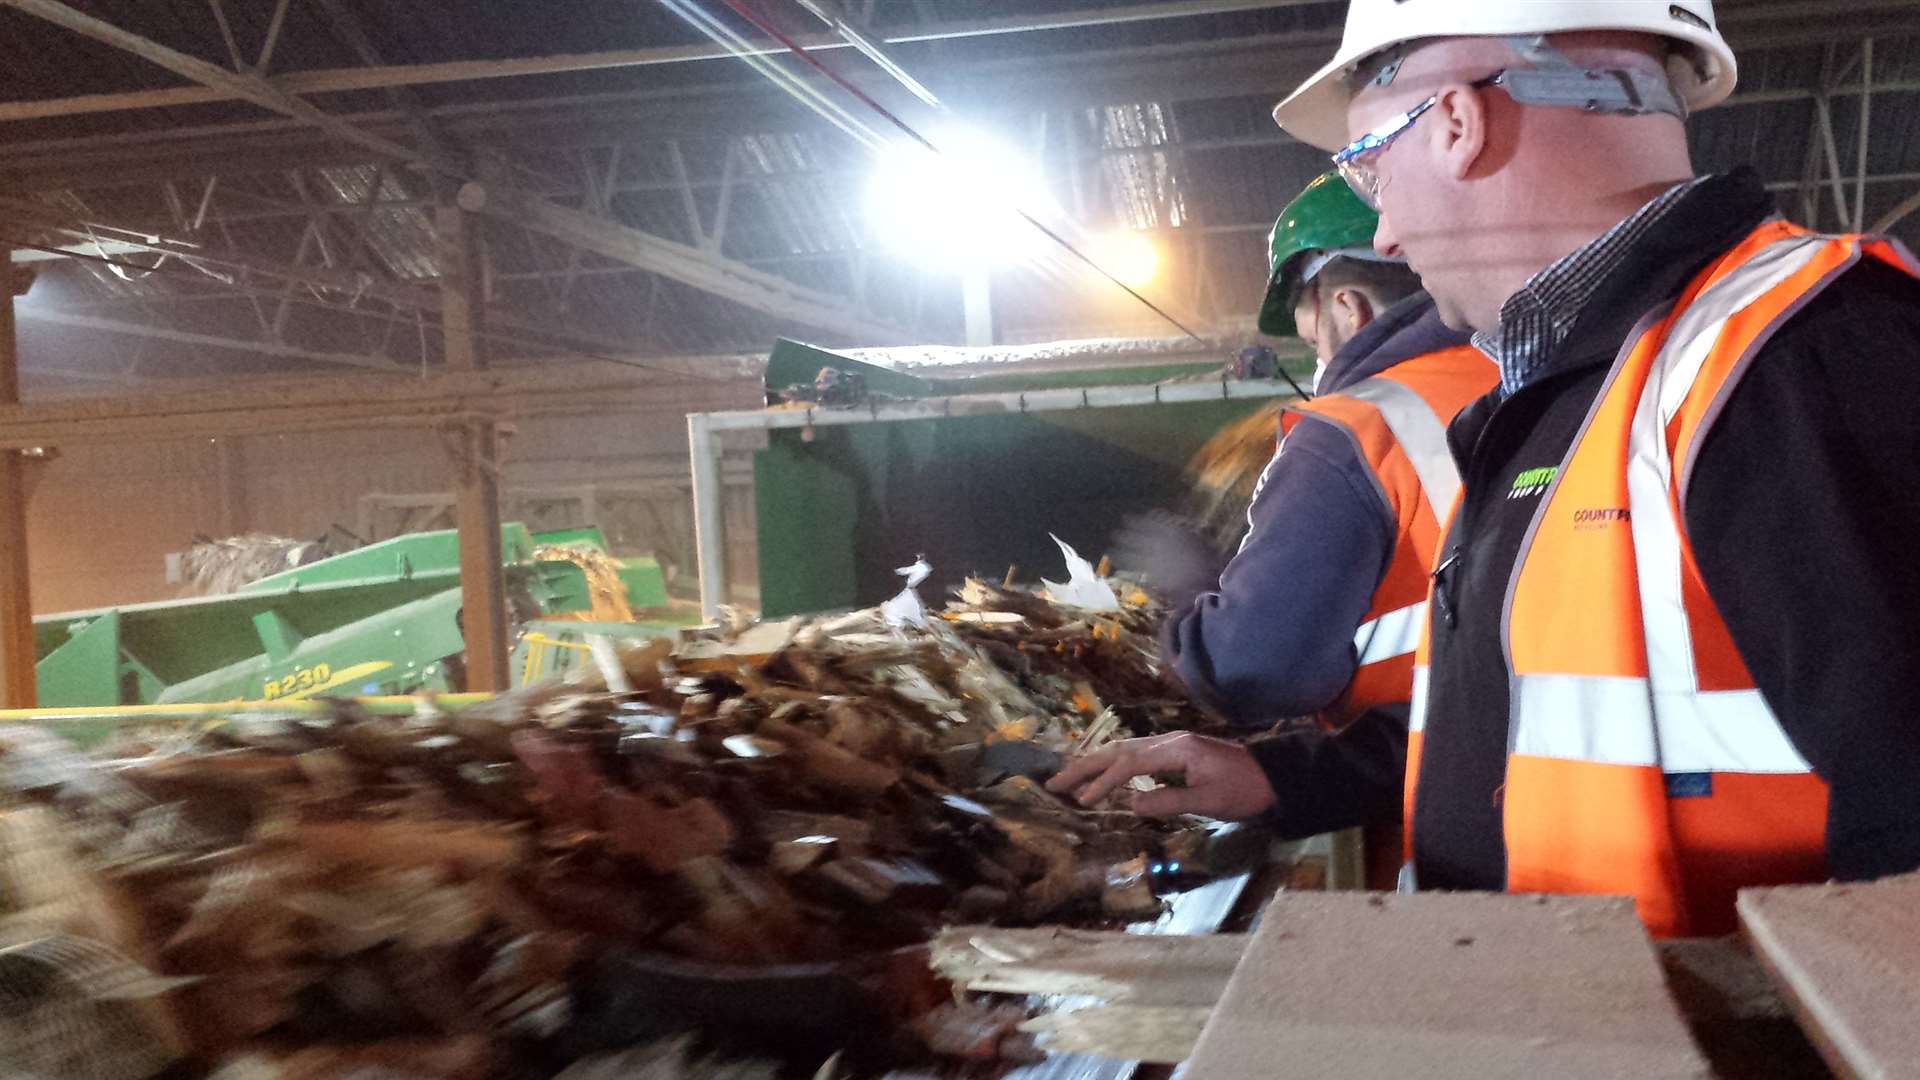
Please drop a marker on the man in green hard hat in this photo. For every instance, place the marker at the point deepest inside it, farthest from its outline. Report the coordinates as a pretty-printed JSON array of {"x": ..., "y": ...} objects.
[
  {"x": 1318, "y": 612},
  {"x": 1323, "y": 243}
]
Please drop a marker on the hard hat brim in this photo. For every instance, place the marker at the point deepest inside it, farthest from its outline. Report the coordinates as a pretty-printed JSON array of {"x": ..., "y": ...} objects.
[{"x": 1316, "y": 112}]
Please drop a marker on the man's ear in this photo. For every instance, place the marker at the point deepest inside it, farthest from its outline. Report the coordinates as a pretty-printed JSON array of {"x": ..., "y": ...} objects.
[
  {"x": 1353, "y": 309},
  {"x": 1459, "y": 132}
]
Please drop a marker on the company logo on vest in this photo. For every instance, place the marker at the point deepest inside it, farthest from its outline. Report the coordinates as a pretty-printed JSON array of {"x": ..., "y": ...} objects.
[
  {"x": 1532, "y": 482},
  {"x": 1600, "y": 518}
]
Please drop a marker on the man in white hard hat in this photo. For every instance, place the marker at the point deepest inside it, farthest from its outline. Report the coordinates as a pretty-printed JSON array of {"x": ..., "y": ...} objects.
[{"x": 1673, "y": 643}]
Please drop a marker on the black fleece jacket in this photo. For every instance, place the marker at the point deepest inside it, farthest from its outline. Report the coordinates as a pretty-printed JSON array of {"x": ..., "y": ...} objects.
[{"x": 1802, "y": 510}]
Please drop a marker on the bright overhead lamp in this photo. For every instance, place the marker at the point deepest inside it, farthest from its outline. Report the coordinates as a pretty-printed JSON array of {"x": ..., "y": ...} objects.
[{"x": 959, "y": 208}]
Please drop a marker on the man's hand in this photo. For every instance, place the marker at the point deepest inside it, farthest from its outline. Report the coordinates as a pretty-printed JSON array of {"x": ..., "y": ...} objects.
[{"x": 1222, "y": 779}]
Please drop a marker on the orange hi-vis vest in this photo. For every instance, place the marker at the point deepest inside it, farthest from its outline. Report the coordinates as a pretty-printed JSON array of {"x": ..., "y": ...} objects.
[
  {"x": 1398, "y": 420},
  {"x": 1642, "y": 760}
]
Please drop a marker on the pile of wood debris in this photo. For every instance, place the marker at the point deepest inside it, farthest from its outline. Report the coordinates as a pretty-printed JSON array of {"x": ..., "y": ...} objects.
[{"x": 755, "y": 833}]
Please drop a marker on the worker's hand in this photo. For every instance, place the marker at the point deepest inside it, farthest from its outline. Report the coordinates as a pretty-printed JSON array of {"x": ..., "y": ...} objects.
[
  {"x": 1178, "y": 561},
  {"x": 1222, "y": 780}
]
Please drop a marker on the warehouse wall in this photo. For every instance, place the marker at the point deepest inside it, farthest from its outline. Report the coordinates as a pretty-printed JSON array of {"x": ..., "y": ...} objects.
[{"x": 103, "y": 518}]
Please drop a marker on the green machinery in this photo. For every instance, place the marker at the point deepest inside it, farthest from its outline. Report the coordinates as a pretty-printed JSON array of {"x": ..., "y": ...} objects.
[{"x": 384, "y": 619}]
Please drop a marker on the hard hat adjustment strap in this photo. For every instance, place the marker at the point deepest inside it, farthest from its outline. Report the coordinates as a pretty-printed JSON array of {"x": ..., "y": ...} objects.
[
  {"x": 1617, "y": 91},
  {"x": 1556, "y": 80}
]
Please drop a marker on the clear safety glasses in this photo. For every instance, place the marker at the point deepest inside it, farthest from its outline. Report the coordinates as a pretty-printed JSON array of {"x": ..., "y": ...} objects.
[{"x": 1356, "y": 161}]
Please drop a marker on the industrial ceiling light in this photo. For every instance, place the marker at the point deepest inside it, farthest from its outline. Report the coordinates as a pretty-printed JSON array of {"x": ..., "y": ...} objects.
[
  {"x": 958, "y": 208},
  {"x": 1132, "y": 258}
]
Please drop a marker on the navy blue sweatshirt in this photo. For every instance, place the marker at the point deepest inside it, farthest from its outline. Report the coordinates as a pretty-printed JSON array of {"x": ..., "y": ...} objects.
[{"x": 1276, "y": 639}]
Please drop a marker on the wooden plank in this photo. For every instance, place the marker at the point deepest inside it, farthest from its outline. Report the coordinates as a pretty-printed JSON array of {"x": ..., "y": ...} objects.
[
  {"x": 1847, "y": 958},
  {"x": 1446, "y": 985}
]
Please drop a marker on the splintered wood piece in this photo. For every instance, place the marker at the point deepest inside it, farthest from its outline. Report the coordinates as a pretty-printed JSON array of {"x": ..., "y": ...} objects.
[
  {"x": 662, "y": 836},
  {"x": 1445, "y": 986},
  {"x": 474, "y": 849},
  {"x": 880, "y": 881},
  {"x": 830, "y": 765},
  {"x": 779, "y": 826},
  {"x": 1847, "y": 957},
  {"x": 1156, "y": 1034},
  {"x": 800, "y": 854},
  {"x": 1128, "y": 893},
  {"x": 427, "y": 1059},
  {"x": 1142, "y": 969}
]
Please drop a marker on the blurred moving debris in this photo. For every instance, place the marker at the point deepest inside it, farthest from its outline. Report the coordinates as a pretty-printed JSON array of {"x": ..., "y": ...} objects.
[
  {"x": 606, "y": 589},
  {"x": 755, "y": 842},
  {"x": 1226, "y": 470}
]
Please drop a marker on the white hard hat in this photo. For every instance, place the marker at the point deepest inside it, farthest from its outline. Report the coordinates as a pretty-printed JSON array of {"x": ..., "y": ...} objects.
[{"x": 1316, "y": 113}]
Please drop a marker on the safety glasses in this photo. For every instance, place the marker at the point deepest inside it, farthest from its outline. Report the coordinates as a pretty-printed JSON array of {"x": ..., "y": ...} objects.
[{"x": 1356, "y": 161}]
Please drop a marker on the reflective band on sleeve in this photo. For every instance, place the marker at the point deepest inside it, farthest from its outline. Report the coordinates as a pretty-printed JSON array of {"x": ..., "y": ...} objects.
[
  {"x": 1605, "y": 719},
  {"x": 1396, "y": 633},
  {"x": 1417, "y": 715},
  {"x": 1421, "y": 434}
]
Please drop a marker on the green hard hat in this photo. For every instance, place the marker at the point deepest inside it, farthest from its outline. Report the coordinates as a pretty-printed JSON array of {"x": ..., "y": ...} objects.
[{"x": 1327, "y": 216}]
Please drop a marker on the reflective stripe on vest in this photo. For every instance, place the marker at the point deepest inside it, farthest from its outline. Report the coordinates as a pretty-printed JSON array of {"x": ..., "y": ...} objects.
[
  {"x": 1642, "y": 759},
  {"x": 1397, "y": 421},
  {"x": 1397, "y": 633},
  {"x": 1422, "y": 435}
]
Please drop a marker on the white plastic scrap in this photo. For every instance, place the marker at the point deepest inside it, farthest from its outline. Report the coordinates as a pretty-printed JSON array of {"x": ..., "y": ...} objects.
[
  {"x": 906, "y": 609},
  {"x": 1083, "y": 589}
]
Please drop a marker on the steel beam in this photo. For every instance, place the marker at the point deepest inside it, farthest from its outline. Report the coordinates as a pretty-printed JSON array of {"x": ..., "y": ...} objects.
[
  {"x": 246, "y": 87},
  {"x": 1866, "y": 131},
  {"x": 275, "y": 24},
  {"x": 1187, "y": 71},
  {"x": 36, "y": 313},
  {"x": 384, "y": 77},
  {"x": 356, "y": 285},
  {"x": 755, "y": 289},
  {"x": 744, "y": 285},
  {"x": 1824, "y": 112},
  {"x": 1899, "y": 213},
  {"x": 202, "y": 408},
  {"x": 16, "y": 604}
]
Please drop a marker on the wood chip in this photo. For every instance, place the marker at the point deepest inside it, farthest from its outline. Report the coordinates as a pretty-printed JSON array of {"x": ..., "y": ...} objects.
[
  {"x": 830, "y": 765},
  {"x": 662, "y": 836},
  {"x": 1156, "y": 1034},
  {"x": 474, "y": 849}
]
